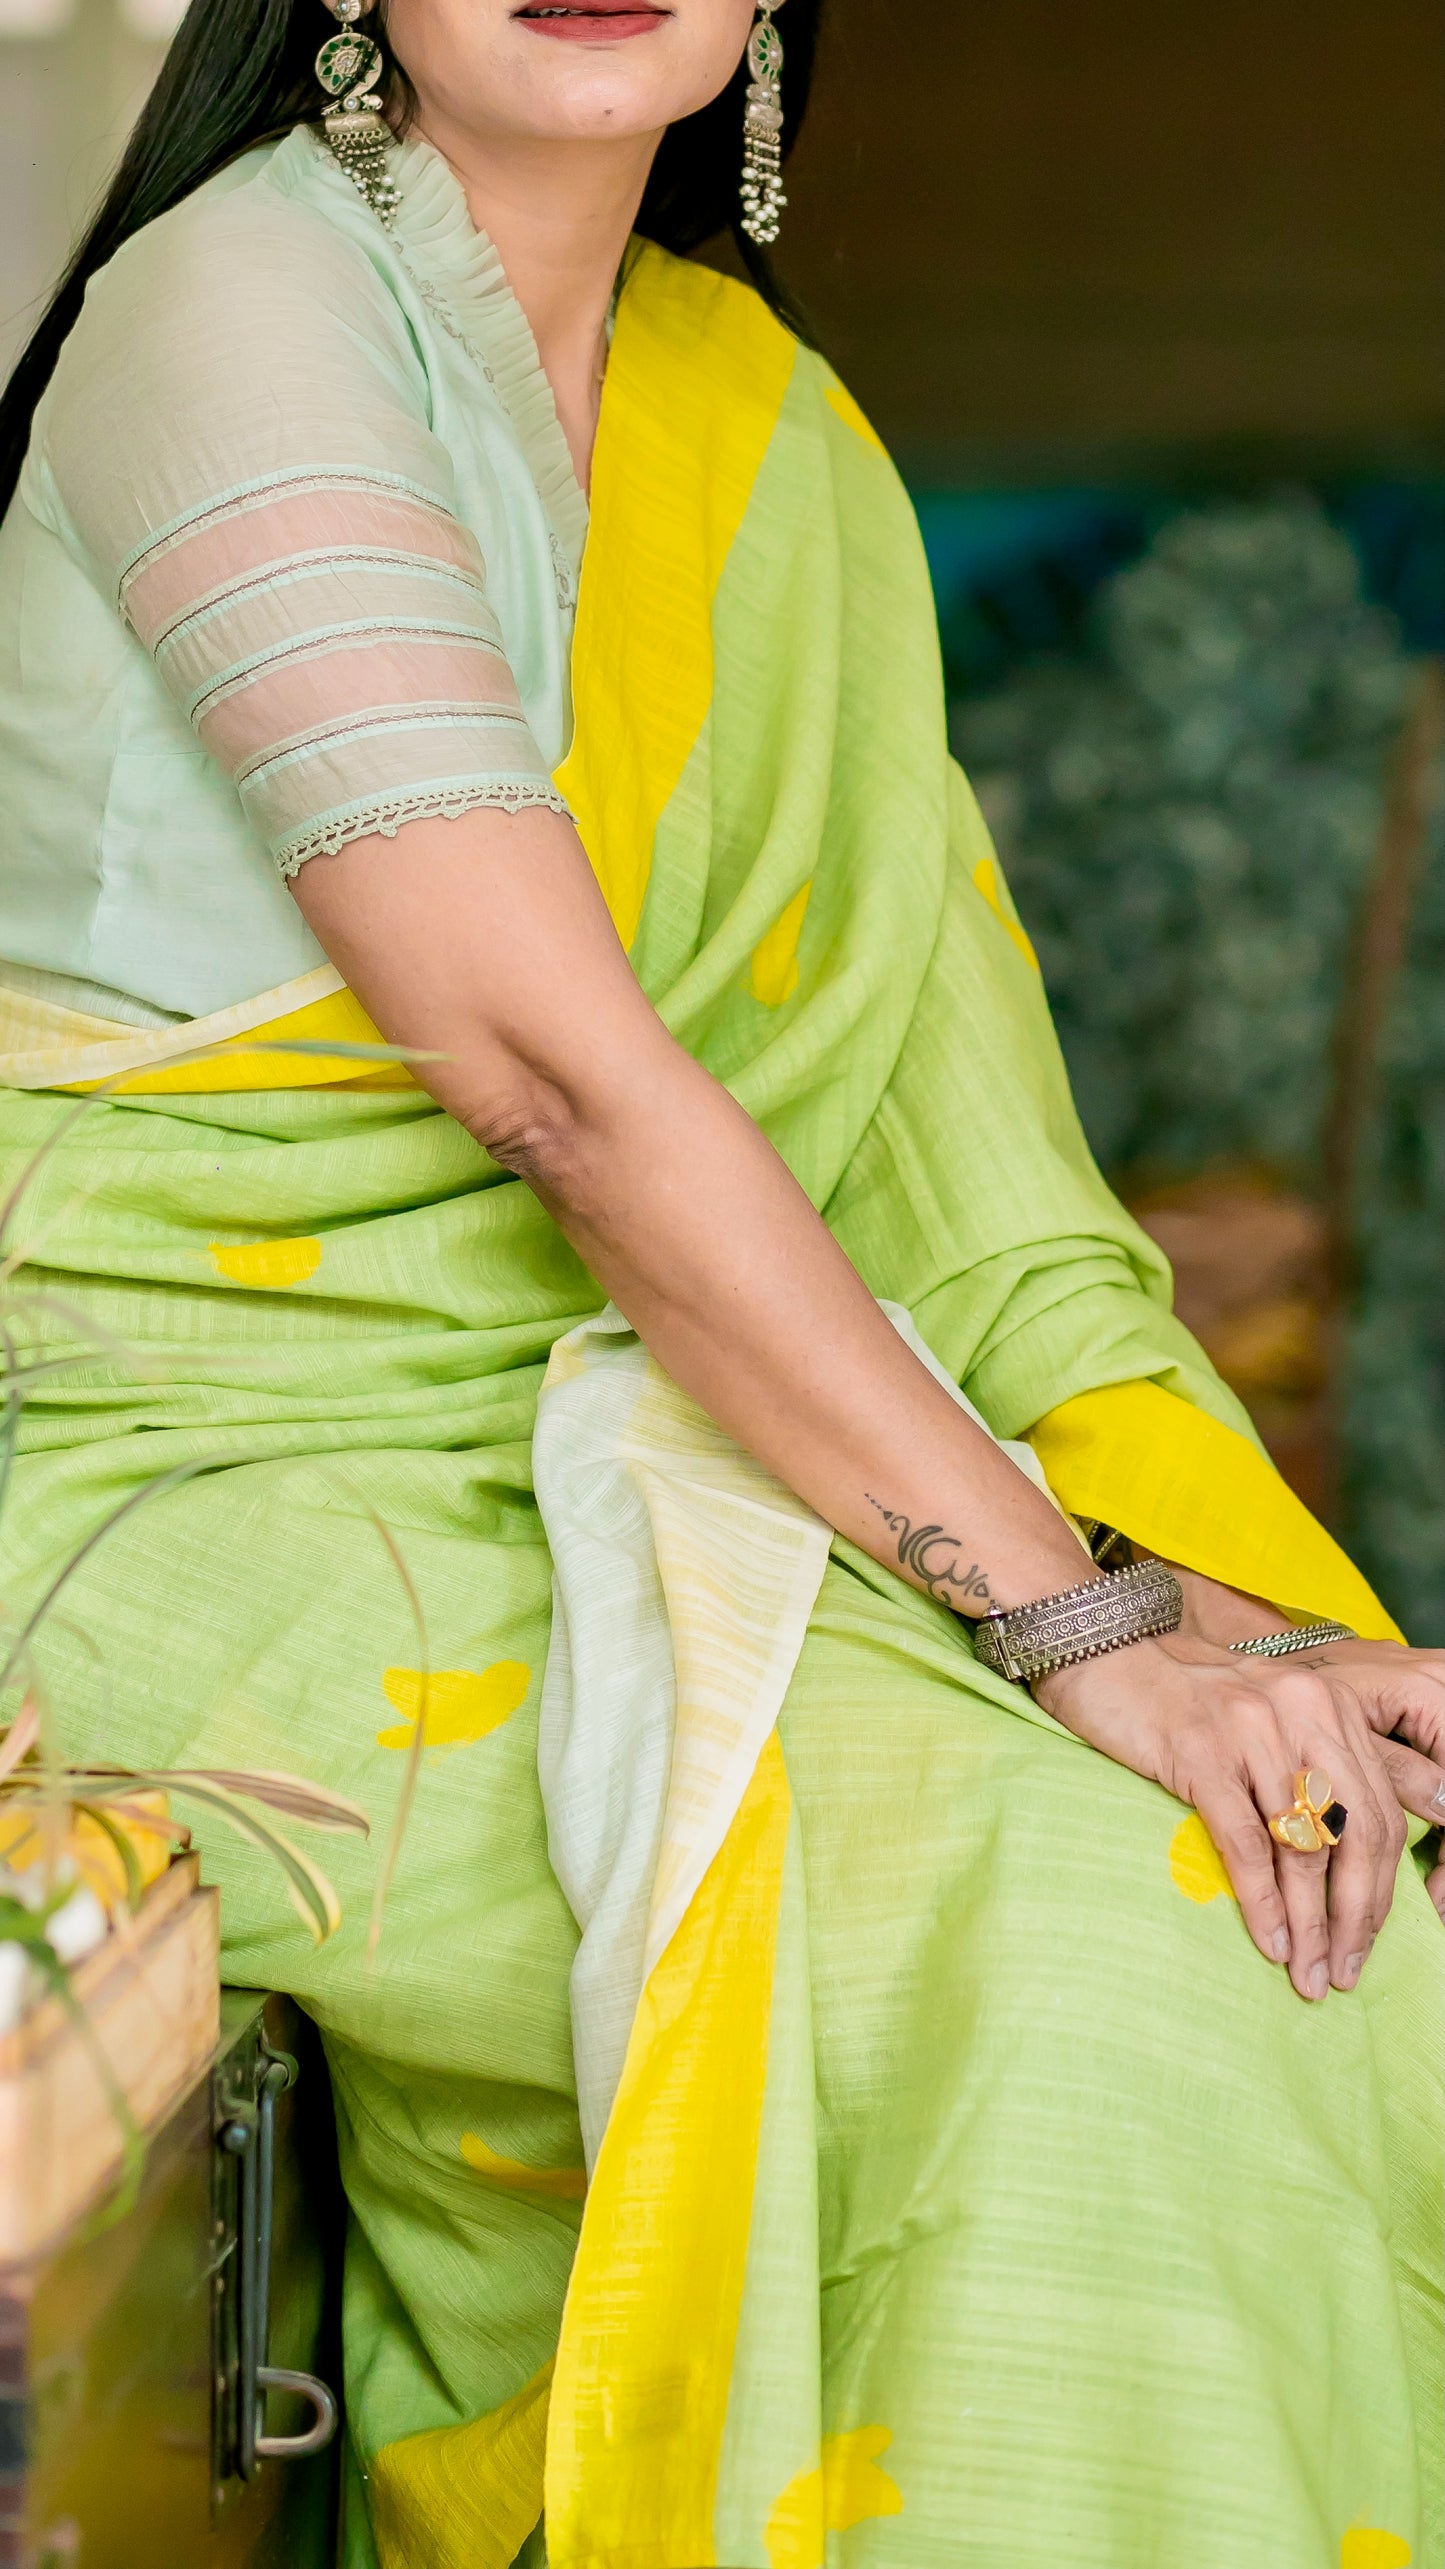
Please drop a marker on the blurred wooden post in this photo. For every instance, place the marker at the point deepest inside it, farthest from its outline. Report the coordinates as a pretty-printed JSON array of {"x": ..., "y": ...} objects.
[
  {"x": 1264, "y": 1278},
  {"x": 1380, "y": 951}
]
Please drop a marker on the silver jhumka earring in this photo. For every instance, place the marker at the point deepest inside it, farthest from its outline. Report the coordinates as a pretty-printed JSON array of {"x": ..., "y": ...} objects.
[
  {"x": 348, "y": 67},
  {"x": 762, "y": 185}
]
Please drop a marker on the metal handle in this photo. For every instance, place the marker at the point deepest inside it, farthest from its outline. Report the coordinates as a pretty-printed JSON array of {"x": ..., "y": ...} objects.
[
  {"x": 252, "y": 2139},
  {"x": 307, "y": 2386}
]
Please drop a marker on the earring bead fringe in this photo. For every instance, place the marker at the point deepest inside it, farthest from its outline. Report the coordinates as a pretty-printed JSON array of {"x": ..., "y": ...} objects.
[
  {"x": 762, "y": 179},
  {"x": 348, "y": 68}
]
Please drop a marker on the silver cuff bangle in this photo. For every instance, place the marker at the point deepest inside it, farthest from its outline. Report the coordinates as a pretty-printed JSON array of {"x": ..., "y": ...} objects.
[
  {"x": 1080, "y": 1623},
  {"x": 1282, "y": 1645}
]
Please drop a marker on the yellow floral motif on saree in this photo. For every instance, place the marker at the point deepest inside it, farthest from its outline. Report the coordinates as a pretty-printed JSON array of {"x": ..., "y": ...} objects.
[
  {"x": 462, "y": 1704},
  {"x": 846, "y": 2488},
  {"x": 270, "y": 1266},
  {"x": 1196, "y": 1865},
  {"x": 1366, "y": 2548},
  {"x": 774, "y": 974},
  {"x": 561, "y": 2185}
]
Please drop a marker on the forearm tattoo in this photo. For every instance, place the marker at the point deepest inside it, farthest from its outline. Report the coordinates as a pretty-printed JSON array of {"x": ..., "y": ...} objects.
[{"x": 933, "y": 1558}]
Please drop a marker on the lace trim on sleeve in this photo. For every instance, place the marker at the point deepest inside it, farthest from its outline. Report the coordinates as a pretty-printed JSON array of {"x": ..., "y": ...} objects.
[
  {"x": 383, "y": 818},
  {"x": 331, "y": 640}
]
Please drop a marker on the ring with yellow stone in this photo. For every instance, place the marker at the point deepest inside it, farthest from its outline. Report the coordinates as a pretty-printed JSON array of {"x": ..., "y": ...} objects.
[{"x": 1315, "y": 1819}]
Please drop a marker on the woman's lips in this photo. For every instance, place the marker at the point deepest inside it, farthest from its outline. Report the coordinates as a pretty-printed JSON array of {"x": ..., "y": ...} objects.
[{"x": 593, "y": 22}]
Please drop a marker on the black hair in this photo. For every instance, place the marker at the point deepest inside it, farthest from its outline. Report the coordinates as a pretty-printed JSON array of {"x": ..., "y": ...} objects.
[{"x": 239, "y": 73}]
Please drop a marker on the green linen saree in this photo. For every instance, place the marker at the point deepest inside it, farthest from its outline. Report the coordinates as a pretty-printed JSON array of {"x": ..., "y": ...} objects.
[{"x": 973, "y": 2192}]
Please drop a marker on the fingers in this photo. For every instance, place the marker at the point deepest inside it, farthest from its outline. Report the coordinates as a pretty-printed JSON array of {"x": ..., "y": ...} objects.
[
  {"x": 1422, "y": 1723},
  {"x": 1337, "y": 1901},
  {"x": 1404, "y": 1691},
  {"x": 1304, "y": 1889},
  {"x": 1362, "y": 1868},
  {"x": 1272, "y": 1763},
  {"x": 1232, "y": 1818},
  {"x": 1319, "y": 1913},
  {"x": 1418, "y": 1783}
]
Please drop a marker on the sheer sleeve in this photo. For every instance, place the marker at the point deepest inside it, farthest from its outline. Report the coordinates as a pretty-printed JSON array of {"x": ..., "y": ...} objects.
[{"x": 238, "y": 436}]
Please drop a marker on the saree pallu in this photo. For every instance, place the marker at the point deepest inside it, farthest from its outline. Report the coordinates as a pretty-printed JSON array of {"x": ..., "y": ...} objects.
[{"x": 970, "y": 2190}]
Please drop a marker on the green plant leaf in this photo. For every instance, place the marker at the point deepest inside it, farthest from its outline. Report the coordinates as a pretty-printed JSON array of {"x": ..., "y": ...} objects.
[
  {"x": 412, "y": 1769},
  {"x": 37, "y": 1160},
  {"x": 114, "y": 1792},
  {"x": 310, "y": 1892},
  {"x": 332, "y": 1052},
  {"x": 137, "y": 1498},
  {"x": 29, "y": 1251},
  {"x": 10, "y": 1427},
  {"x": 307, "y": 1885},
  {"x": 91, "y": 1334},
  {"x": 300, "y": 1800},
  {"x": 20, "y": 1738},
  {"x": 132, "y": 2144}
]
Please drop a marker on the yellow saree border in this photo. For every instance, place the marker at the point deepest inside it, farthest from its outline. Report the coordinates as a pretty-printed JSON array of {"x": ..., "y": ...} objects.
[
  {"x": 463, "y": 2497},
  {"x": 1185, "y": 1485},
  {"x": 43, "y": 1045},
  {"x": 644, "y": 2368},
  {"x": 696, "y": 379},
  {"x": 695, "y": 382}
]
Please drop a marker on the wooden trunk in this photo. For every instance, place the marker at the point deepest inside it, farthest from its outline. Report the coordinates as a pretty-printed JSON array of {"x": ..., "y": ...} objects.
[{"x": 122, "y": 2344}]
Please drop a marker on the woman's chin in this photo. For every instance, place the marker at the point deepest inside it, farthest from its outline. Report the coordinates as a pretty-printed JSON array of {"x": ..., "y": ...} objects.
[
  {"x": 598, "y": 77},
  {"x": 570, "y": 93}
]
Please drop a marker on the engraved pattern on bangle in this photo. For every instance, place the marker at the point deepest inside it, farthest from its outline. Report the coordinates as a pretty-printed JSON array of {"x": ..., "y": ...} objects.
[
  {"x": 1283, "y": 1645},
  {"x": 1104, "y": 1614}
]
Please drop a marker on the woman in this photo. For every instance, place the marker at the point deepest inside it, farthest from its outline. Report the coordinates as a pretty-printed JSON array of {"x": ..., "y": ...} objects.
[{"x": 967, "y": 2180}]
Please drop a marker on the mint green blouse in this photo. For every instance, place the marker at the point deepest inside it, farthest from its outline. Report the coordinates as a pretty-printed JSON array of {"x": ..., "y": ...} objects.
[{"x": 293, "y": 559}]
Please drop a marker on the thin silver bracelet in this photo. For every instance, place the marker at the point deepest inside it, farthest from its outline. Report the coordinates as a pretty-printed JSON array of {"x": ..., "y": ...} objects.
[
  {"x": 1126, "y": 1605},
  {"x": 1282, "y": 1645}
]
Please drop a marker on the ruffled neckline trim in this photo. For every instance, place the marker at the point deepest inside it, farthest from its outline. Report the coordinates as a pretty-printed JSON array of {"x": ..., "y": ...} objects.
[{"x": 459, "y": 274}]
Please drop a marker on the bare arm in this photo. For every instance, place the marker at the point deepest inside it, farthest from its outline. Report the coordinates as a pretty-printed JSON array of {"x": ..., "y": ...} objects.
[{"x": 487, "y": 939}]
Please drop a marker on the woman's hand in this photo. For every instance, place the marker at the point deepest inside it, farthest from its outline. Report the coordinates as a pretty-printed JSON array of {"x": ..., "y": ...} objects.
[
  {"x": 1229, "y": 1735},
  {"x": 1401, "y": 1692}
]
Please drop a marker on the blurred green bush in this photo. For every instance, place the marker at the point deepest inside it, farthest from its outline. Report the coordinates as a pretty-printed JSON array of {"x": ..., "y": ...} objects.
[{"x": 1188, "y": 800}]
